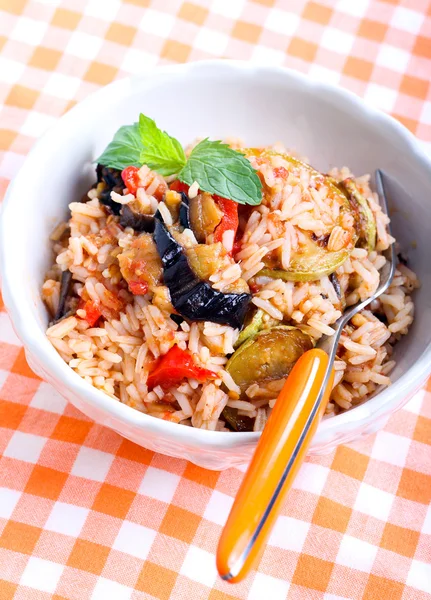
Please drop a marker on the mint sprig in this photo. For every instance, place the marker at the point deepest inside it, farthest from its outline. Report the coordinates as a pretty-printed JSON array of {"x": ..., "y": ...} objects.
[{"x": 217, "y": 168}]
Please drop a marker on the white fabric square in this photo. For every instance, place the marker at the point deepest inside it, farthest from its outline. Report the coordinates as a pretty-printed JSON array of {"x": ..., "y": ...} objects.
[
  {"x": 391, "y": 448},
  {"x": 10, "y": 70},
  {"x": 337, "y": 40},
  {"x": 102, "y": 9},
  {"x": 12, "y": 162},
  {"x": 282, "y": 22},
  {"x": 323, "y": 74},
  {"x": 231, "y": 9},
  {"x": 213, "y": 42},
  {"x": 47, "y": 398},
  {"x": 426, "y": 527},
  {"x": 159, "y": 484},
  {"x": 199, "y": 565},
  {"x": 136, "y": 60},
  {"x": 393, "y": 58},
  {"x": 334, "y": 597},
  {"x": 29, "y": 31},
  {"x": 7, "y": 334},
  {"x": 262, "y": 54},
  {"x": 426, "y": 119},
  {"x": 265, "y": 586},
  {"x": 36, "y": 123},
  {"x": 380, "y": 96},
  {"x": 83, "y": 45},
  {"x": 3, "y": 376},
  {"x": 289, "y": 533},
  {"x": 311, "y": 478},
  {"x": 62, "y": 86},
  {"x": 8, "y": 501},
  {"x": 374, "y": 502},
  {"x": 92, "y": 464},
  {"x": 106, "y": 588},
  {"x": 134, "y": 539},
  {"x": 157, "y": 22},
  {"x": 407, "y": 19},
  {"x": 67, "y": 519},
  {"x": 356, "y": 8},
  {"x": 25, "y": 446},
  {"x": 356, "y": 554},
  {"x": 41, "y": 574},
  {"x": 218, "y": 508},
  {"x": 419, "y": 576}
]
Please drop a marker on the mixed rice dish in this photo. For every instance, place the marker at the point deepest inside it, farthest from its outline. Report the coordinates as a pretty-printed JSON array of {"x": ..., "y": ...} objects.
[{"x": 193, "y": 307}]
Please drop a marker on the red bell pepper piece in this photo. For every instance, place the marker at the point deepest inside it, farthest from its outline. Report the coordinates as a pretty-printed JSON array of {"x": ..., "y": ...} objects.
[
  {"x": 229, "y": 221},
  {"x": 92, "y": 312},
  {"x": 138, "y": 288},
  {"x": 175, "y": 366},
  {"x": 130, "y": 177},
  {"x": 179, "y": 186}
]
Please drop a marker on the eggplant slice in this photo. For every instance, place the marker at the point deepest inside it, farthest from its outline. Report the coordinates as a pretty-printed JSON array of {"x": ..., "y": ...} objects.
[
  {"x": 65, "y": 289},
  {"x": 111, "y": 181},
  {"x": 191, "y": 297},
  {"x": 138, "y": 221}
]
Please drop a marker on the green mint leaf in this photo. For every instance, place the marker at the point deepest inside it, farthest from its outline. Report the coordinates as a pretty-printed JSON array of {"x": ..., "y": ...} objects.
[
  {"x": 159, "y": 151},
  {"x": 220, "y": 170},
  {"x": 124, "y": 150}
]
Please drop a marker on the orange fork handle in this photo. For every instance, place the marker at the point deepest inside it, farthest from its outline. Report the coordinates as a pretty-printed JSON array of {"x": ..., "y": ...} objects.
[{"x": 280, "y": 452}]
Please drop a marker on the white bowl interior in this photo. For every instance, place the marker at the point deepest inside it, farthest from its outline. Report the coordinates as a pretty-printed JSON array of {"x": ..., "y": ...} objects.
[{"x": 262, "y": 107}]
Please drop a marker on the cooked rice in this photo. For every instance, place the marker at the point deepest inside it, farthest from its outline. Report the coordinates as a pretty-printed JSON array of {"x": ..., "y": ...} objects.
[{"x": 116, "y": 355}]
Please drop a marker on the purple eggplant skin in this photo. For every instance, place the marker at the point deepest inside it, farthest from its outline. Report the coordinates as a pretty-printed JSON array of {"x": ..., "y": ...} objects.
[
  {"x": 184, "y": 219},
  {"x": 65, "y": 287},
  {"x": 191, "y": 297},
  {"x": 113, "y": 183},
  {"x": 128, "y": 218}
]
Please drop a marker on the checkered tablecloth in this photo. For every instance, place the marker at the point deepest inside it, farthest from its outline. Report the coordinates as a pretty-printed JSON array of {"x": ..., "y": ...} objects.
[{"x": 85, "y": 514}]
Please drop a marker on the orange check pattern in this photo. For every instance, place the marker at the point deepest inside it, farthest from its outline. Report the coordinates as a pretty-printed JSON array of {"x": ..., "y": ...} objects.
[{"x": 87, "y": 515}]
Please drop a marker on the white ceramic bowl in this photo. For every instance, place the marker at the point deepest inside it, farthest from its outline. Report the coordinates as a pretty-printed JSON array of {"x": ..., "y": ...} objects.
[{"x": 221, "y": 98}]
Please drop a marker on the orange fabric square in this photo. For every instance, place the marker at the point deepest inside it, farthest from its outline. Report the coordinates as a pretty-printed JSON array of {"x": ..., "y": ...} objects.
[
  {"x": 265, "y": 2},
  {"x": 100, "y": 73},
  {"x": 121, "y": 34},
  {"x": 88, "y": 556},
  {"x": 67, "y": 19},
  {"x": 414, "y": 86},
  {"x": 379, "y": 587},
  {"x": 72, "y": 430},
  {"x": 247, "y": 32},
  {"x": 45, "y": 482},
  {"x": 358, "y": 68},
  {"x": 312, "y": 572},
  {"x": 200, "y": 475},
  {"x": 302, "y": 49},
  {"x": 318, "y": 13},
  {"x": 400, "y": 540},
  {"x": 350, "y": 462},
  {"x": 7, "y": 589},
  {"x": 173, "y": 50},
  {"x": 411, "y": 124},
  {"x": 113, "y": 501},
  {"x": 193, "y": 13},
  {"x": 20, "y": 366},
  {"x": 45, "y": 58},
  {"x": 156, "y": 581},
  {"x": 7, "y": 138},
  {"x": 13, "y": 6},
  {"x": 422, "y": 432},
  {"x": 22, "y": 97},
  {"x": 422, "y": 46},
  {"x": 19, "y": 537},
  {"x": 372, "y": 30},
  {"x": 2, "y": 41},
  {"x": 180, "y": 523},
  {"x": 415, "y": 486},
  {"x": 11, "y": 414},
  {"x": 217, "y": 595},
  {"x": 332, "y": 515},
  {"x": 132, "y": 451},
  {"x": 140, "y": 3}
]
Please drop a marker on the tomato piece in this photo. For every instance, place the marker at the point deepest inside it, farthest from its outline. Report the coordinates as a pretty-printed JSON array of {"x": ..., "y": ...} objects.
[
  {"x": 179, "y": 186},
  {"x": 138, "y": 288},
  {"x": 130, "y": 176},
  {"x": 175, "y": 366},
  {"x": 280, "y": 172},
  {"x": 92, "y": 312},
  {"x": 229, "y": 220}
]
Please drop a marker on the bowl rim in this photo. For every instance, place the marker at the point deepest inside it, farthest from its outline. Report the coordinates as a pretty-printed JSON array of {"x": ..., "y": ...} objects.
[{"x": 34, "y": 339}]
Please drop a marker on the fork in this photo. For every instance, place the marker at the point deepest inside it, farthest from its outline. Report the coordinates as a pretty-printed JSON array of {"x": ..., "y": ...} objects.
[{"x": 286, "y": 437}]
